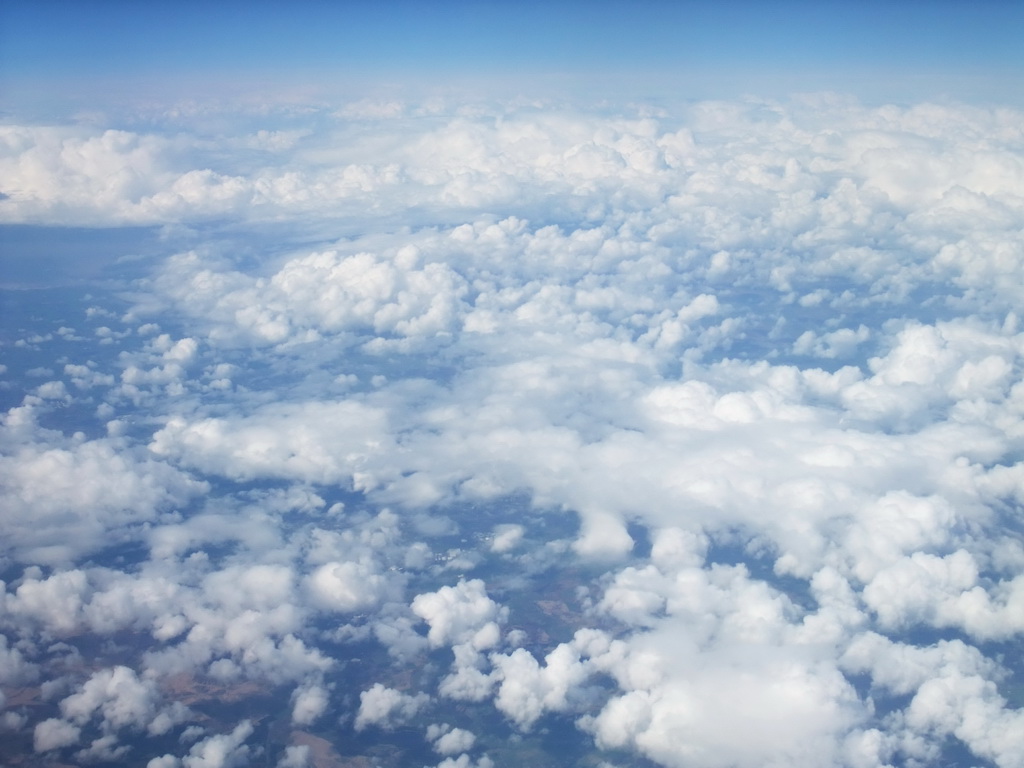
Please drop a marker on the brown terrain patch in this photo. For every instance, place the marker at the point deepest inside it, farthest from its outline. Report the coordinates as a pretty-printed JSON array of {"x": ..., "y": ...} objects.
[{"x": 188, "y": 689}]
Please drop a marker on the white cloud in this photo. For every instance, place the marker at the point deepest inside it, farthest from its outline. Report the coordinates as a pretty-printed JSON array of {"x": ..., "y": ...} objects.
[
  {"x": 468, "y": 680},
  {"x": 103, "y": 749},
  {"x": 225, "y": 750},
  {"x": 296, "y": 756},
  {"x": 346, "y": 587},
  {"x": 506, "y": 537},
  {"x": 14, "y": 667},
  {"x": 460, "y": 614},
  {"x": 324, "y": 293},
  {"x": 841, "y": 343},
  {"x": 954, "y": 692},
  {"x": 119, "y": 699},
  {"x": 734, "y": 707},
  {"x": 54, "y": 734},
  {"x": 448, "y": 740},
  {"x": 528, "y": 689},
  {"x": 465, "y": 761},
  {"x": 386, "y": 708},
  {"x": 309, "y": 702},
  {"x": 66, "y": 497},
  {"x": 313, "y": 442}
]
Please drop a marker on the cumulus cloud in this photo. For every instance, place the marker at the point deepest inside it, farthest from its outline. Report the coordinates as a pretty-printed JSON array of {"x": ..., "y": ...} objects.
[
  {"x": 465, "y": 761},
  {"x": 528, "y": 689},
  {"x": 460, "y": 614},
  {"x": 66, "y": 497},
  {"x": 309, "y": 702},
  {"x": 54, "y": 733},
  {"x": 119, "y": 699},
  {"x": 223, "y": 750},
  {"x": 386, "y": 707},
  {"x": 715, "y": 410},
  {"x": 346, "y": 586},
  {"x": 447, "y": 740},
  {"x": 315, "y": 442},
  {"x": 734, "y": 707},
  {"x": 506, "y": 537},
  {"x": 296, "y": 756}
]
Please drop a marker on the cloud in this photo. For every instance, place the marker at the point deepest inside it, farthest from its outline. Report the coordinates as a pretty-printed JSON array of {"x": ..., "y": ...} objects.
[
  {"x": 953, "y": 688},
  {"x": 309, "y": 702},
  {"x": 527, "y": 689},
  {"x": 468, "y": 680},
  {"x": 679, "y": 424},
  {"x": 841, "y": 343},
  {"x": 447, "y": 740},
  {"x": 294, "y": 757},
  {"x": 732, "y": 707},
  {"x": 14, "y": 668},
  {"x": 506, "y": 537},
  {"x": 460, "y": 614},
  {"x": 386, "y": 708},
  {"x": 347, "y": 586},
  {"x": 54, "y": 733},
  {"x": 317, "y": 442},
  {"x": 321, "y": 294},
  {"x": 119, "y": 699},
  {"x": 224, "y": 750},
  {"x": 67, "y": 497},
  {"x": 464, "y": 761}
]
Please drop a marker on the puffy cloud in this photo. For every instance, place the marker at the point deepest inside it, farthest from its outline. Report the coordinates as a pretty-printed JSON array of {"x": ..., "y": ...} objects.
[
  {"x": 54, "y": 733},
  {"x": 346, "y": 587},
  {"x": 386, "y": 708},
  {"x": 467, "y": 681},
  {"x": 57, "y": 602},
  {"x": 723, "y": 676},
  {"x": 320, "y": 294},
  {"x": 450, "y": 741},
  {"x": 313, "y": 442},
  {"x": 309, "y": 702},
  {"x": 120, "y": 700},
  {"x": 841, "y": 343},
  {"x": 527, "y": 689},
  {"x": 460, "y": 614},
  {"x": 14, "y": 667},
  {"x": 296, "y": 756},
  {"x": 103, "y": 749},
  {"x": 506, "y": 537},
  {"x": 953, "y": 692},
  {"x": 224, "y": 750},
  {"x": 737, "y": 707},
  {"x": 944, "y": 591},
  {"x": 465, "y": 761},
  {"x": 55, "y": 167},
  {"x": 67, "y": 497},
  {"x": 902, "y": 668},
  {"x": 971, "y": 709}
]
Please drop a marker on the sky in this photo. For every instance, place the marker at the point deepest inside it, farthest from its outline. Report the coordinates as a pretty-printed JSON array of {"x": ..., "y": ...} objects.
[
  {"x": 470, "y": 385},
  {"x": 940, "y": 47}
]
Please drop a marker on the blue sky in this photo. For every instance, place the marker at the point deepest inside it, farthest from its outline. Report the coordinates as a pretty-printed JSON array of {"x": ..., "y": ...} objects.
[{"x": 869, "y": 47}]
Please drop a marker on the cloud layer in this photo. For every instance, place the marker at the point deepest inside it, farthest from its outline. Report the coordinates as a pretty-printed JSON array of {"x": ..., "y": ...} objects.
[{"x": 692, "y": 433}]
